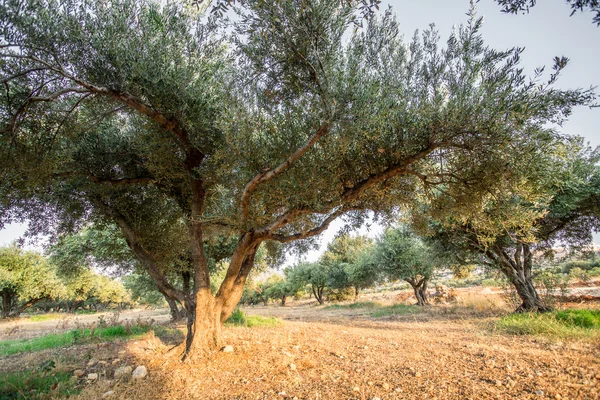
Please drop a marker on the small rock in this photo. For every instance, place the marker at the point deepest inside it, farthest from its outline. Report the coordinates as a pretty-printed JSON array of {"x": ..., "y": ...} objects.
[
  {"x": 227, "y": 349},
  {"x": 109, "y": 393},
  {"x": 139, "y": 373},
  {"x": 356, "y": 389},
  {"x": 283, "y": 394},
  {"x": 116, "y": 361},
  {"x": 375, "y": 398},
  {"x": 93, "y": 361},
  {"x": 79, "y": 373},
  {"x": 370, "y": 383},
  {"x": 398, "y": 390},
  {"x": 498, "y": 383},
  {"x": 123, "y": 371},
  {"x": 386, "y": 386},
  {"x": 92, "y": 377},
  {"x": 293, "y": 367},
  {"x": 557, "y": 396},
  {"x": 102, "y": 363},
  {"x": 539, "y": 392},
  {"x": 122, "y": 352}
]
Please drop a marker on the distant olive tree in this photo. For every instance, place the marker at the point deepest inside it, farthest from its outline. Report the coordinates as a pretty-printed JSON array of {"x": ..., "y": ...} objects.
[{"x": 26, "y": 278}]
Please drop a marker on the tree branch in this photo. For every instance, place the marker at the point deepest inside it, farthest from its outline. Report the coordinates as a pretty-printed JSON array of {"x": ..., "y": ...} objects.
[{"x": 281, "y": 168}]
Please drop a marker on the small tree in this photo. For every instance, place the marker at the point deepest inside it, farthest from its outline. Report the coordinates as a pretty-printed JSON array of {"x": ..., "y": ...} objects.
[
  {"x": 312, "y": 274},
  {"x": 26, "y": 278},
  {"x": 401, "y": 254}
]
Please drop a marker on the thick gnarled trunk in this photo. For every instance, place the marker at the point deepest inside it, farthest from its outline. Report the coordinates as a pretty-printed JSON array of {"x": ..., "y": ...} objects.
[
  {"x": 518, "y": 270},
  {"x": 420, "y": 290}
]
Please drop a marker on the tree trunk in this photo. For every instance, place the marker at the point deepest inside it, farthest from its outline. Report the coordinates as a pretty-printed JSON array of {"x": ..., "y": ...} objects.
[
  {"x": 6, "y": 304},
  {"x": 420, "y": 290},
  {"x": 176, "y": 314},
  {"x": 205, "y": 327},
  {"x": 356, "y": 293},
  {"x": 318, "y": 292},
  {"x": 283, "y": 299},
  {"x": 530, "y": 299},
  {"x": 518, "y": 270}
]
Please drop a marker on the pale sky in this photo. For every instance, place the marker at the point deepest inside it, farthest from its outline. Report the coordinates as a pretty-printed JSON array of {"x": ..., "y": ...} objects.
[{"x": 547, "y": 31}]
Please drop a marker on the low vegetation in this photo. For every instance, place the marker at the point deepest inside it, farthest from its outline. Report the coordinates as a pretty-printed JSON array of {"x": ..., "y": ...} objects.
[
  {"x": 565, "y": 324},
  {"x": 240, "y": 318},
  {"x": 76, "y": 336},
  {"x": 37, "y": 384}
]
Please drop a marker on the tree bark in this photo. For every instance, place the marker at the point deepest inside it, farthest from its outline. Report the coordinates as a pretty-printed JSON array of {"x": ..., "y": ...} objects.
[
  {"x": 420, "y": 290},
  {"x": 318, "y": 292},
  {"x": 518, "y": 270},
  {"x": 356, "y": 293},
  {"x": 283, "y": 299},
  {"x": 176, "y": 314},
  {"x": 7, "y": 300}
]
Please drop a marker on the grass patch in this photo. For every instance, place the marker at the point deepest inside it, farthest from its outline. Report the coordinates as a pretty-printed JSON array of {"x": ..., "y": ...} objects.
[
  {"x": 239, "y": 318},
  {"x": 77, "y": 336},
  {"x": 353, "y": 306},
  {"x": 37, "y": 385},
  {"x": 567, "y": 324},
  {"x": 396, "y": 309},
  {"x": 44, "y": 317}
]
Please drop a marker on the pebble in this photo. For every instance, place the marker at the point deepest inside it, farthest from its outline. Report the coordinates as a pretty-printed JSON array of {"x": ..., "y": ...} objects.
[
  {"x": 293, "y": 367},
  {"x": 356, "y": 389},
  {"x": 123, "y": 371},
  {"x": 92, "y": 377},
  {"x": 92, "y": 362},
  {"x": 116, "y": 361},
  {"x": 109, "y": 393},
  {"x": 227, "y": 349},
  {"x": 539, "y": 392},
  {"x": 139, "y": 373},
  {"x": 386, "y": 386},
  {"x": 375, "y": 398},
  {"x": 79, "y": 373}
]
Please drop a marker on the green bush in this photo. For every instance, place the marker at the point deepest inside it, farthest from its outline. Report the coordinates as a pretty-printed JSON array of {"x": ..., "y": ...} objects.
[{"x": 238, "y": 317}]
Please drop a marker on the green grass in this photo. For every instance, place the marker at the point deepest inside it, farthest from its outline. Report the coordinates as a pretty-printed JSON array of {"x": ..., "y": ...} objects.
[
  {"x": 353, "y": 306},
  {"x": 565, "y": 324},
  {"x": 36, "y": 385},
  {"x": 77, "y": 336},
  {"x": 239, "y": 318},
  {"x": 44, "y": 317},
  {"x": 396, "y": 309}
]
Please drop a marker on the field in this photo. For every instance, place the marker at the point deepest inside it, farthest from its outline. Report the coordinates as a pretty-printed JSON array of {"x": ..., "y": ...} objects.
[{"x": 375, "y": 349}]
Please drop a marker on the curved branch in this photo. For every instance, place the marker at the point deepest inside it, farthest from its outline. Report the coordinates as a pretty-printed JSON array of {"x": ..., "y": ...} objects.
[{"x": 281, "y": 168}]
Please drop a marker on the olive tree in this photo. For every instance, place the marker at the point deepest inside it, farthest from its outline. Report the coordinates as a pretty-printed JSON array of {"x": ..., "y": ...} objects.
[
  {"x": 517, "y": 227},
  {"x": 401, "y": 254},
  {"x": 148, "y": 116},
  {"x": 26, "y": 278}
]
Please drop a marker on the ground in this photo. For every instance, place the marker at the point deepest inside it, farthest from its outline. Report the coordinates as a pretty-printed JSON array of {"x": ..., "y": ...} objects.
[{"x": 442, "y": 352}]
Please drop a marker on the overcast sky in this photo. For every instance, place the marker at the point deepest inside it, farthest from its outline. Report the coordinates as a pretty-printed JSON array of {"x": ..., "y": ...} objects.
[{"x": 547, "y": 31}]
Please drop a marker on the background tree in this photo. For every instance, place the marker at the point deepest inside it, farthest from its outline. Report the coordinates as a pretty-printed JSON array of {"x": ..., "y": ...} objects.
[
  {"x": 513, "y": 228},
  {"x": 25, "y": 279},
  {"x": 311, "y": 274},
  {"x": 345, "y": 267},
  {"x": 141, "y": 114},
  {"x": 401, "y": 254}
]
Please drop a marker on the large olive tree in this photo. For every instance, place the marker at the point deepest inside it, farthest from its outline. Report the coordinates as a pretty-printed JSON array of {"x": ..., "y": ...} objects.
[{"x": 146, "y": 115}]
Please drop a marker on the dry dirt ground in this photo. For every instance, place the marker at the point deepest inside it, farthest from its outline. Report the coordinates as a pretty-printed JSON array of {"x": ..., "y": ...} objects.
[{"x": 443, "y": 352}]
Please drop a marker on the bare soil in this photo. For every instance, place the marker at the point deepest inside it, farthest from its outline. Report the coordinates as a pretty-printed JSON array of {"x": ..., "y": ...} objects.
[{"x": 443, "y": 352}]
